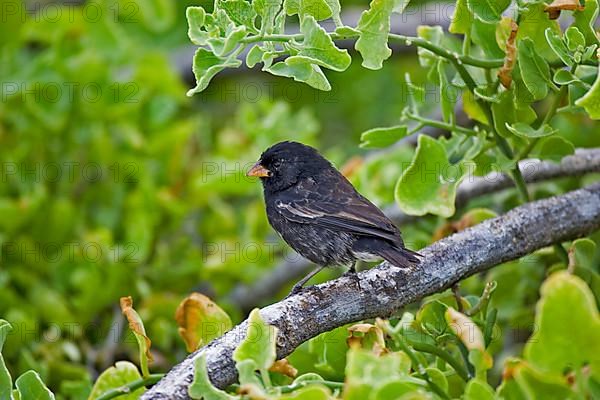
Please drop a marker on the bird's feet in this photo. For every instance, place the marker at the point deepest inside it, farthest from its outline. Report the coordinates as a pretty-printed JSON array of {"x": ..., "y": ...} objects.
[
  {"x": 295, "y": 290},
  {"x": 351, "y": 273}
]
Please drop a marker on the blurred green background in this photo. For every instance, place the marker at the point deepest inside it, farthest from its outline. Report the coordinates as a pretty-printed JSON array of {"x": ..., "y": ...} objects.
[{"x": 115, "y": 183}]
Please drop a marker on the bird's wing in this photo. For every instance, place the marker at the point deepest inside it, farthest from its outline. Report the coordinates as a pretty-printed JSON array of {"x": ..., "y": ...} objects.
[{"x": 340, "y": 207}]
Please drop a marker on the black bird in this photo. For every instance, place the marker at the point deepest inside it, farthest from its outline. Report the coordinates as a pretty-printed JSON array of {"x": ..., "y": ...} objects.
[{"x": 317, "y": 211}]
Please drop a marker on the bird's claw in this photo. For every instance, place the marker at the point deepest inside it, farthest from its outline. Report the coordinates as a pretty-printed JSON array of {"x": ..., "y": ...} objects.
[
  {"x": 351, "y": 273},
  {"x": 295, "y": 290}
]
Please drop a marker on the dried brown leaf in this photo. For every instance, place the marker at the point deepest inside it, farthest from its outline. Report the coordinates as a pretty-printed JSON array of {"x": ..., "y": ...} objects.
[
  {"x": 505, "y": 72},
  {"x": 553, "y": 9},
  {"x": 135, "y": 323},
  {"x": 372, "y": 337},
  {"x": 200, "y": 320},
  {"x": 284, "y": 367}
]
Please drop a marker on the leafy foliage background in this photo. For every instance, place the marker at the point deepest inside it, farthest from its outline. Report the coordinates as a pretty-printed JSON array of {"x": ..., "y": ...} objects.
[{"x": 114, "y": 183}]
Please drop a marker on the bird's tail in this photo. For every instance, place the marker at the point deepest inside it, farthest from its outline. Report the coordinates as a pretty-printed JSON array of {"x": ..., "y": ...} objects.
[{"x": 400, "y": 257}]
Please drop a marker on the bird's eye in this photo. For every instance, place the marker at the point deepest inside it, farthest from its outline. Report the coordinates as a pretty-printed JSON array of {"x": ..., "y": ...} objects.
[{"x": 277, "y": 164}]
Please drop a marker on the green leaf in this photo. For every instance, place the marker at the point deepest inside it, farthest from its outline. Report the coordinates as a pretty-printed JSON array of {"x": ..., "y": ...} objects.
[
  {"x": 254, "y": 56},
  {"x": 462, "y": 19},
  {"x": 556, "y": 346},
  {"x": 201, "y": 387},
  {"x": 247, "y": 373},
  {"x": 558, "y": 46},
  {"x": 319, "y": 47},
  {"x": 121, "y": 374},
  {"x": 431, "y": 318},
  {"x": 583, "y": 251},
  {"x": 326, "y": 353},
  {"x": 241, "y": 12},
  {"x": 472, "y": 108},
  {"x": 589, "y": 53},
  {"x": 484, "y": 35},
  {"x": 233, "y": 39},
  {"x": 429, "y": 184},
  {"x": 581, "y": 261},
  {"x": 591, "y": 100},
  {"x": 335, "y": 7},
  {"x": 526, "y": 131},
  {"x": 206, "y": 65},
  {"x": 534, "y": 69},
  {"x": 533, "y": 22},
  {"x": 195, "y": 19},
  {"x": 504, "y": 112},
  {"x": 433, "y": 34},
  {"x": 478, "y": 390},
  {"x": 5, "y": 378},
  {"x": 564, "y": 77},
  {"x": 574, "y": 38},
  {"x": 374, "y": 28},
  {"x": 400, "y": 6},
  {"x": 382, "y": 137},
  {"x": 480, "y": 359},
  {"x": 267, "y": 9},
  {"x": 318, "y": 9},
  {"x": 438, "y": 378},
  {"x": 524, "y": 382},
  {"x": 30, "y": 387},
  {"x": 311, "y": 392},
  {"x": 367, "y": 372},
  {"x": 488, "y": 10},
  {"x": 302, "y": 70},
  {"x": 5, "y": 329},
  {"x": 259, "y": 344},
  {"x": 553, "y": 148},
  {"x": 585, "y": 20},
  {"x": 448, "y": 94}
]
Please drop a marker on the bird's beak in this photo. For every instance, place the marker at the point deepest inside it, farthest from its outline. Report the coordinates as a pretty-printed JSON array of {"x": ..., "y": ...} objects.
[{"x": 258, "y": 171}]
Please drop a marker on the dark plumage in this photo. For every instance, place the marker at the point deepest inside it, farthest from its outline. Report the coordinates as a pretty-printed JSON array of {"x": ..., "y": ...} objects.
[{"x": 317, "y": 211}]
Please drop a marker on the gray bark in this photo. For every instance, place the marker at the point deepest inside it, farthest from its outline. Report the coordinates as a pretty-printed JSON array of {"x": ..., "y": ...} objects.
[
  {"x": 386, "y": 289},
  {"x": 294, "y": 266}
]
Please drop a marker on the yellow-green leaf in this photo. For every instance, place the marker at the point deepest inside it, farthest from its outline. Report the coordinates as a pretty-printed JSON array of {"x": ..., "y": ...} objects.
[
  {"x": 30, "y": 387},
  {"x": 429, "y": 184},
  {"x": 382, "y": 137},
  {"x": 558, "y": 345},
  {"x": 461, "y": 19},
  {"x": 488, "y": 10},
  {"x": 201, "y": 387},
  {"x": 585, "y": 20},
  {"x": 374, "y": 27},
  {"x": 259, "y": 344},
  {"x": 5, "y": 378},
  {"x": 206, "y": 65},
  {"x": 120, "y": 375},
  {"x": 535, "y": 71},
  {"x": 319, "y": 47},
  {"x": 302, "y": 69},
  {"x": 200, "y": 320},
  {"x": 591, "y": 100}
]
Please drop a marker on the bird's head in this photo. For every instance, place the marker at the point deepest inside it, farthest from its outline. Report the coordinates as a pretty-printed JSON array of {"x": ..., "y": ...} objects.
[{"x": 285, "y": 163}]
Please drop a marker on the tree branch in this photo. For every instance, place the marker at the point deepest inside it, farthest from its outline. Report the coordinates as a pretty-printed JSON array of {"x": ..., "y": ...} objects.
[
  {"x": 294, "y": 267},
  {"x": 385, "y": 289}
]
